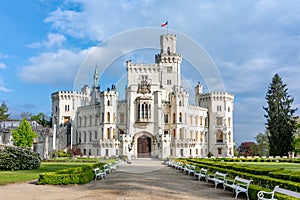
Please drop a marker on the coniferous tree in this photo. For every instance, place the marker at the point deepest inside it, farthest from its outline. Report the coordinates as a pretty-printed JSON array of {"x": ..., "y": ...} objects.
[
  {"x": 4, "y": 115},
  {"x": 279, "y": 114}
]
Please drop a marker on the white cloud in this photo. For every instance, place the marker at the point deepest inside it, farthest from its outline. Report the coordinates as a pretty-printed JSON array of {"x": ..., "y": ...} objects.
[
  {"x": 249, "y": 41},
  {"x": 3, "y": 88},
  {"x": 53, "y": 40},
  {"x": 2, "y": 65},
  {"x": 53, "y": 67}
]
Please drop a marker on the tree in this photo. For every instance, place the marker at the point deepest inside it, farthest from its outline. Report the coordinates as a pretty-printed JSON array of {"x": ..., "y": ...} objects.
[
  {"x": 262, "y": 144},
  {"x": 26, "y": 115},
  {"x": 3, "y": 112},
  {"x": 296, "y": 142},
  {"x": 41, "y": 118},
  {"x": 279, "y": 114},
  {"x": 246, "y": 149},
  {"x": 23, "y": 136}
]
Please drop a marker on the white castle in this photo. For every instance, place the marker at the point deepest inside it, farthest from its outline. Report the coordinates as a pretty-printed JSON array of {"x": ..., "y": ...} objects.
[{"x": 154, "y": 120}]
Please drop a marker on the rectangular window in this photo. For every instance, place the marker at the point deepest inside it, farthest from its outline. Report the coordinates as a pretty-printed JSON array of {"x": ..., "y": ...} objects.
[
  {"x": 174, "y": 133},
  {"x": 197, "y": 152},
  {"x": 191, "y": 119},
  {"x": 122, "y": 118},
  {"x": 219, "y": 108},
  {"x": 169, "y": 82},
  {"x": 201, "y": 123},
  {"x": 219, "y": 151},
  {"x": 190, "y": 152},
  {"x": 166, "y": 132},
  {"x": 106, "y": 152},
  {"x": 166, "y": 118},
  {"x": 181, "y": 152},
  {"x": 169, "y": 69},
  {"x": 219, "y": 121},
  {"x": 229, "y": 121}
]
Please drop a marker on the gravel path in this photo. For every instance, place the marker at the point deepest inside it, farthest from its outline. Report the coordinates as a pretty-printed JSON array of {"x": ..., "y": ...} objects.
[{"x": 143, "y": 179}]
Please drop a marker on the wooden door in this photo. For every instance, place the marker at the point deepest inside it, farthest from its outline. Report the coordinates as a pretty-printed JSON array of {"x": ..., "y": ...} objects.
[{"x": 144, "y": 147}]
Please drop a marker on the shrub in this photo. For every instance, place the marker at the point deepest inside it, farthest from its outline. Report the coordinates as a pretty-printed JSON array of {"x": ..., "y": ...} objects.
[
  {"x": 78, "y": 175},
  {"x": 18, "y": 158}
]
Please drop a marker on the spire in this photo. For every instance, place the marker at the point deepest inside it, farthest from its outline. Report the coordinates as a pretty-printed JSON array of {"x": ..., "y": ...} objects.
[{"x": 96, "y": 76}]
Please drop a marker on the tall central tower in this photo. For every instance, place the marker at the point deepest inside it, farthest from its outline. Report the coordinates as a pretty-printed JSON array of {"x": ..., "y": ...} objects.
[{"x": 169, "y": 62}]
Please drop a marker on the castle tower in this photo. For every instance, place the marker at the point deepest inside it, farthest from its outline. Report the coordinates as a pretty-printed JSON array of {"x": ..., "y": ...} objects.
[{"x": 169, "y": 61}]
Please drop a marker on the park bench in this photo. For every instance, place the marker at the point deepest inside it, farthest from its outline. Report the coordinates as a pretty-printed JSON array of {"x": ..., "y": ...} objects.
[
  {"x": 99, "y": 174},
  {"x": 106, "y": 169},
  {"x": 112, "y": 167},
  {"x": 262, "y": 195},
  {"x": 189, "y": 169},
  {"x": 201, "y": 174},
  {"x": 217, "y": 178},
  {"x": 238, "y": 185}
]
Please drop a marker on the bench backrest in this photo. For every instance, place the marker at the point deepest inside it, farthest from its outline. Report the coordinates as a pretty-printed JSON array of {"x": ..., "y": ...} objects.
[
  {"x": 96, "y": 170},
  {"x": 220, "y": 175},
  {"x": 242, "y": 180},
  {"x": 287, "y": 192},
  {"x": 203, "y": 171}
]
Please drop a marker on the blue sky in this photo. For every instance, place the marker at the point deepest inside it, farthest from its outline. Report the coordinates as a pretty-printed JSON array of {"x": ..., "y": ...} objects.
[{"x": 43, "y": 44}]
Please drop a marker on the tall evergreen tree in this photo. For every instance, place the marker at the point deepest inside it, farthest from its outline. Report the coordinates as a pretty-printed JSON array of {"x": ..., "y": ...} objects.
[
  {"x": 4, "y": 115},
  {"x": 279, "y": 114}
]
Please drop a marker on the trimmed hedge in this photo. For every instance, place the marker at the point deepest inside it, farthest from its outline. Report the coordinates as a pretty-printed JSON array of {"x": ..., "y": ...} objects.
[
  {"x": 78, "y": 175},
  {"x": 18, "y": 158},
  {"x": 261, "y": 181}
]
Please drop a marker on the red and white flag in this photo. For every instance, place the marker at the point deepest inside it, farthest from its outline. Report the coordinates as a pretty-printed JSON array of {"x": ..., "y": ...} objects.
[{"x": 164, "y": 24}]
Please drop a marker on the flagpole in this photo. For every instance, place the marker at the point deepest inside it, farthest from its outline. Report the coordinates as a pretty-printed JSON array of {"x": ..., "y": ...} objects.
[{"x": 168, "y": 28}]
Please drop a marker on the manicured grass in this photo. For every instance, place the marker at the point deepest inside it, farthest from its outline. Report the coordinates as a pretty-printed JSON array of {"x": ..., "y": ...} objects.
[
  {"x": 28, "y": 175},
  {"x": 294, "y": 167}
]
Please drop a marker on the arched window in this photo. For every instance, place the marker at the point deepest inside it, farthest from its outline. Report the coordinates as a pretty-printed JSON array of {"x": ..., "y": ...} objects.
[
  {"x": 174, "y": 118},
  {"x": 107, "y": 133},
  {"x": 174, "y": 134},
  {"x": 168, "y": 51},
  {"x": 219, "y": 136},
  {"x": 108, "y": 102},
  {"x": 139, "y": 111},
  {"x": 229, "y": 136},
  {"x": 149, "y": 111},
  {"x": 180, "y": 117},
  {"x": 179, "y": 103},
  {"x": 146, "y": 111},
  {"x": 143, "y": 110},
  {"x": 108, "y": 117},
  {"x": 180, "y": 134}
]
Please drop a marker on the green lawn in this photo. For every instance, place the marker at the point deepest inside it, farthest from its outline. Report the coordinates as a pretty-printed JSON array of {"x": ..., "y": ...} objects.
[
  {"x": 28, "y": 175},
  {"x": 294, "y": 167}
]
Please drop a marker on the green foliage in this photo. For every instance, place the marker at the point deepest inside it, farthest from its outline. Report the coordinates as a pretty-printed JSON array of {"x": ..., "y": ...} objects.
[
  {"x": 279, "y": 114},
  {"x": 18, "y": 158},
  {"x": 23, "y": 136},
  {"x": 41, "y": 119},
  {"x": 3, "y": 112},
  {"x": 78, "y": 175},
  {"x": 262, "y": 144},
  {"x": 259, "y": 175}
]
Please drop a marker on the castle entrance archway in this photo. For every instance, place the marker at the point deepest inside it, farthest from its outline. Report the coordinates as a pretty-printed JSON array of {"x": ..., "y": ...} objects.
[{"x": 144, "y": 147}]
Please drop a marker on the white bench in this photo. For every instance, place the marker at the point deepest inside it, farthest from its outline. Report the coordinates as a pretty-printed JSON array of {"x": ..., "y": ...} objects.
[
  {"x": 99, "y": 174},
  {"x": 201, "y": 174},
  {"x": 239, "y": 185},
  {"x": 218, "y": 178},
  {"x": 188, "y": 169},
  {"x": 261, "y": 194}
]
